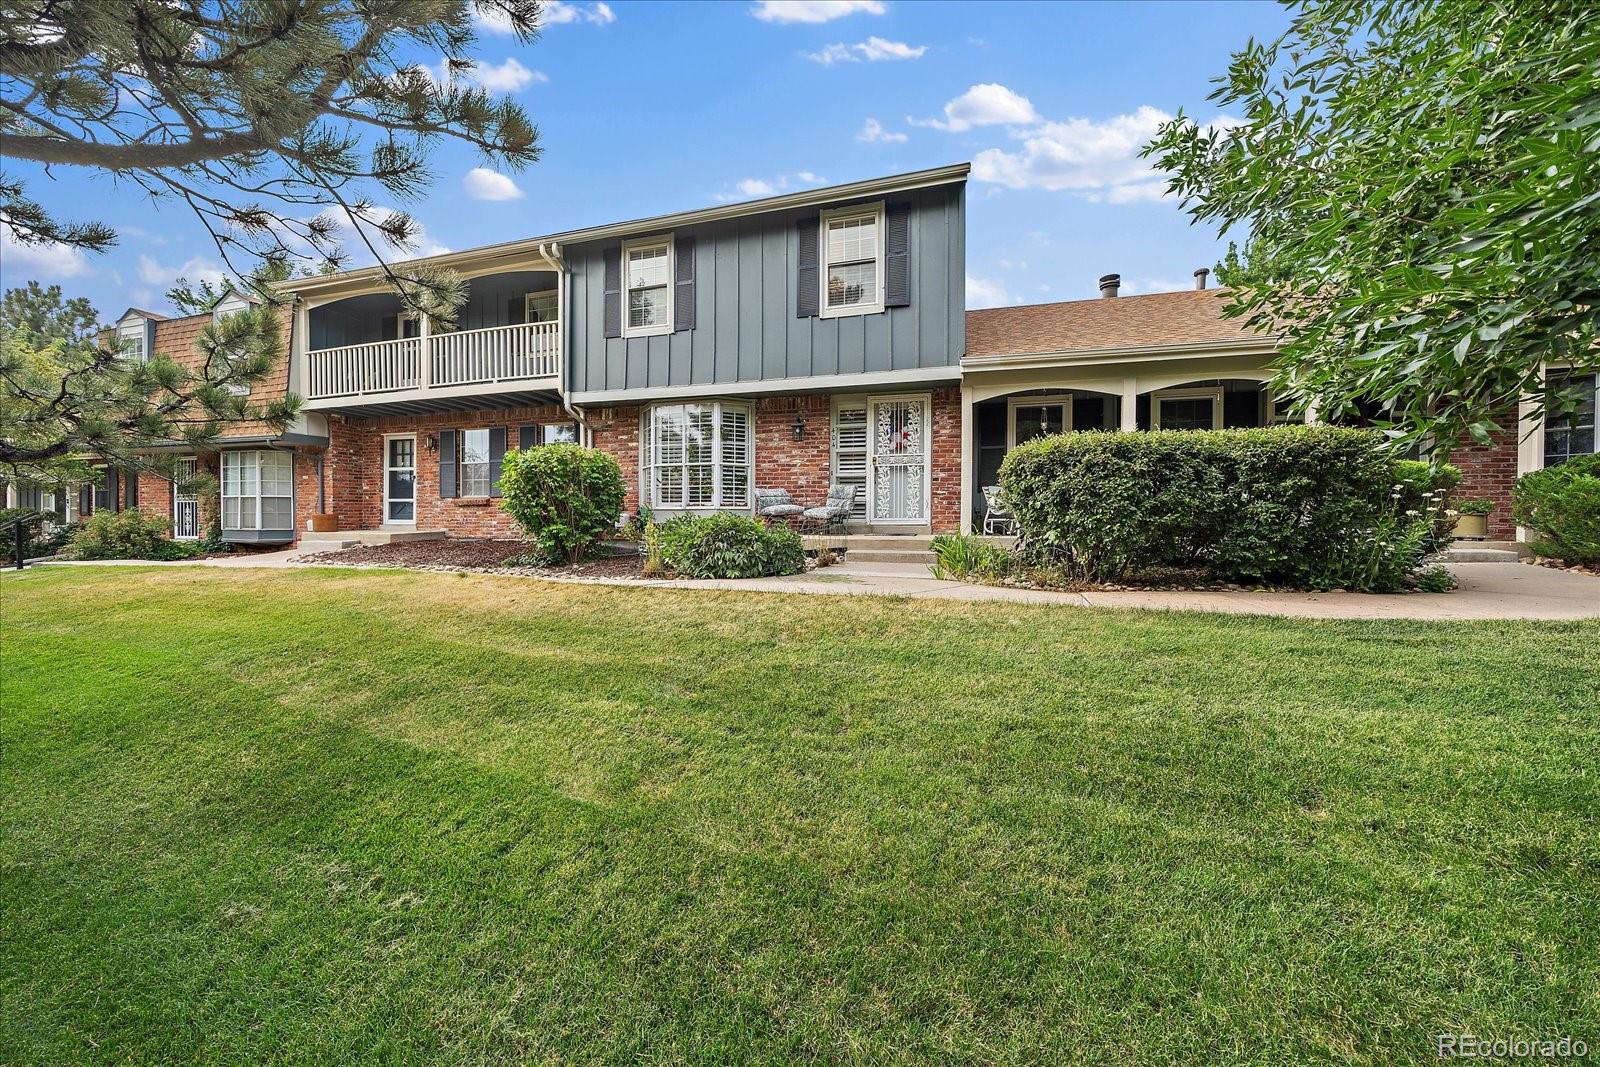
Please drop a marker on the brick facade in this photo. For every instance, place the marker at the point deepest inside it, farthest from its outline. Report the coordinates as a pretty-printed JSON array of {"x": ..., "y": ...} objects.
[
  {"x": 1490, "y": 471},
  {"x": 804, "y": 466},
  {"x": 615, "y": 431}
]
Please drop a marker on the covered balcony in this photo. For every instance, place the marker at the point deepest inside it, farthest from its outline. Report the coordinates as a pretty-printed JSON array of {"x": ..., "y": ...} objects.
[{"x": 368, "y": 352}]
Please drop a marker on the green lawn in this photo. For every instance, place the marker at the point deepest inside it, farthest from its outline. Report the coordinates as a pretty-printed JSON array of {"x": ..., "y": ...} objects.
[{"x": 361, "y": 816}]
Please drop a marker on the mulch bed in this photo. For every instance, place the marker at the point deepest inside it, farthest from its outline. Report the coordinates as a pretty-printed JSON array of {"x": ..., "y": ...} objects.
[{"x": 486, "y": 556}]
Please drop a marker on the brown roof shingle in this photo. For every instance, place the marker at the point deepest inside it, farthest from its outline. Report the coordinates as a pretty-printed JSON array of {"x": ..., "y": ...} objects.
[{"x": 1189, "y": 316}]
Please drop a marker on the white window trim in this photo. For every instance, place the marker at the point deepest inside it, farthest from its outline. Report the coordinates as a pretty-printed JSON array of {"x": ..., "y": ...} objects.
[
  {"x": 1560, "y": 369},
  {"x": 461, "y": 464},
  {"x": 1063, "y": 400},
  {"x": 258, "y": 496},
  {"x": 647, "y": 466},
  {"x": 1215, "y": 393},
  {"x": 671, "y": 245},
  {"x": 134, "y": 328},
  {"x": 832, "y": 215},
  {"x": 527, "y": 302}
]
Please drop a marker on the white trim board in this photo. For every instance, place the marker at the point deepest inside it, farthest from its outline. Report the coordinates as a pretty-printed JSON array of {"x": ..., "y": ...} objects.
[{"x": 930, "y": 377}]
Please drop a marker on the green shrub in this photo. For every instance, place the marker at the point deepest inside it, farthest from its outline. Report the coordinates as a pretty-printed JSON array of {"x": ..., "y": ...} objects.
[
  {"x": 1478, "y": 505},
  {"x": 1562, "y": 505},
  {"x": 565, "y": 498},
  {"x": 126, "y": 535},
  {"x": 726, "y": 545},
  {"x": 1425, "y": 488},
  {"x": 965, "y": 557},
  {"x": 1291, "y": 505}
]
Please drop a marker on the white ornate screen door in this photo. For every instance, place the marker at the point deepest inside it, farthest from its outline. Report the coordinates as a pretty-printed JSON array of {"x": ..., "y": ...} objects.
[
  {"x": 897, "y": 489},
  {"x": 185, "y": 505}
]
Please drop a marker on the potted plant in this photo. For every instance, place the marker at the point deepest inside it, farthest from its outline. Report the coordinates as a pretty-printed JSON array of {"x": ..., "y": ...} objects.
[{"x": 1472, "y": 518}]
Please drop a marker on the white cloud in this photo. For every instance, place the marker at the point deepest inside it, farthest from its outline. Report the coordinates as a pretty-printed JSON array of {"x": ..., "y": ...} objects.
[
  {"x": 813, "y": 11},
  {"x": 507, "y": 77},
  {"x": 195, "y": 269},
  {"x": 481, "y": 183},
  {"x": 754, "y": 188},
  {"x": 986, "y": 294},
  {"x": 983, "y": 105},
  {"x": 872, "y": 132},
  {"x": 551, "y": 13},
  {"x": 422, "y": 243},
  {"x": 46, "y": 261},
  {"x": 1013, "y": 264},
  {"x": 873, "y": 50}
]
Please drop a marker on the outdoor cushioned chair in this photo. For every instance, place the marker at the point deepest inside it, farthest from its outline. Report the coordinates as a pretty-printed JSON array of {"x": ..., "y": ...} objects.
[
  {"x": 776, "y": 504},
  {"x": 841, "y": 498},
  {"x": 998, "y": 518}
]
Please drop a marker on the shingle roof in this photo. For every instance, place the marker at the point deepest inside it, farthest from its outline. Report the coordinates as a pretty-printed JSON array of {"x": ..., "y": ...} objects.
[{"x": 1186, "y": 317}]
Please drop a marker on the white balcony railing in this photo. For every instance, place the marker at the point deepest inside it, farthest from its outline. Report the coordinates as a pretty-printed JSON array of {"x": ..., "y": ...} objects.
[{"x": 498, "y": 354}]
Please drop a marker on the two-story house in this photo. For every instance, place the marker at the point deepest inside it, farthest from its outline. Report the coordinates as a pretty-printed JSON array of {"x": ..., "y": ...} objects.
[{"x": 796, "y": 342}]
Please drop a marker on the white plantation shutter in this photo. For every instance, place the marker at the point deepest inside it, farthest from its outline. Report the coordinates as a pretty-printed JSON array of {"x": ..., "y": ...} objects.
[
  {"x": 735, "y": 458},
  {"x": 850, "y": 450},
  {"x": 698, "y": 456}
]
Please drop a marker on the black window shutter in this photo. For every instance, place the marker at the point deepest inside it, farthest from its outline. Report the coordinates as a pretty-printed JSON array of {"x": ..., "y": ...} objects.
[
  {"x": 447, "y": 464},
  {"x": 516, "y": 310},
  {"x": 613, "y": 301},
  {"x": 131, "y": 484},
  {"x": 897, "y": 259},
  {"x": 527, "y": 437},
  {"x": 683, "y": 290},
  {"x": 807, "y": 283},
  {"x": 85, "y": 500},
  {"x": 113, "y": 490},
  {"x": 497, "y": 455},
  {"x": 390, "y": 328}
]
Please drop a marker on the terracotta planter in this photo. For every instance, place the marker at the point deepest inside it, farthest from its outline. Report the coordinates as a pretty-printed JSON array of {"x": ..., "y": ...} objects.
[
  {"x": 323, "y": 522},
  {"x": 1471, "y": 527}
]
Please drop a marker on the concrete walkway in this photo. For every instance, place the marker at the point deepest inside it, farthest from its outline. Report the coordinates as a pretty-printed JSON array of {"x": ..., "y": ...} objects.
[{"x": 1486, "y": 591}]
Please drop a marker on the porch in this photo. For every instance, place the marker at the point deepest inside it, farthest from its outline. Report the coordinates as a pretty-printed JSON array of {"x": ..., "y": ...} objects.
[{"x": 369, "y": 353}]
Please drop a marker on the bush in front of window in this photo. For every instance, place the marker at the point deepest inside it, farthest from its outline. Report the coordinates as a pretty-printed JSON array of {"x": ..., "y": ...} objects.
[
  {"x": 566, "y": 498},
  {"x": 1304, "y": 506},
  {"x": 126, "y": 535},
  {"x": 727, "y": 545},
  {"x": 1561, "y": 505},
  {"x": 1426, "y": 487}
]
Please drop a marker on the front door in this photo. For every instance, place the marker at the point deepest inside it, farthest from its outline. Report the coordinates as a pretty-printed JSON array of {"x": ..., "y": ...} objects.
[
  {"x": 897, "y": 466},
  {"x": 185, "y": 505},
  {"x": 400, "y": 479}
]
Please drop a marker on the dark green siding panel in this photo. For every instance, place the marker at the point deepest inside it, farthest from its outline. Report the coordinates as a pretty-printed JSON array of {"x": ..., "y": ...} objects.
[{"x": 754, "y": 364}]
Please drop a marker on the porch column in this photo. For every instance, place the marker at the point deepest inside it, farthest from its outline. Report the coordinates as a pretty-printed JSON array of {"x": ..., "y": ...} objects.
[
  {"x": 424, "y": 354},
  {"x": 299, "y": 362},
  {"x": 1530, "y": 439},
  {"x": 966, "y": 459},
  {"x": 1130, "y": 405},
  {"x": 1312, "y": 418}
]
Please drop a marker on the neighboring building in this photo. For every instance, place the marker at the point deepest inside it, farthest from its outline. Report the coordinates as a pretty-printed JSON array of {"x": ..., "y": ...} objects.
[{"x": 794, "y": 342}]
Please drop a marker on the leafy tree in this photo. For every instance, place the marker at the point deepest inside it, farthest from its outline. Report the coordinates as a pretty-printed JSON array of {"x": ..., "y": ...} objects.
[
  {"x": 1427, "y": 174},
  {"x": 266, "y": 119},
  {"x": 68, "y": 393}
]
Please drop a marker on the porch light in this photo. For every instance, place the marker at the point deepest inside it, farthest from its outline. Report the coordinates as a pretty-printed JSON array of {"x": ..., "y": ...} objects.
[
  {"x": 799, "y": 426},
  {"x": 431, "y": 442}
]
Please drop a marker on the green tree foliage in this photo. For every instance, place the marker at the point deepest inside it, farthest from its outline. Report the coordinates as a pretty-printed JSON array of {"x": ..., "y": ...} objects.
[
  {"x": 269, "y": 120},
  {"x": 565, "y": 498},
  {"x": 1561, "y": 505},
  {"x": 67, "y": 394},
  {"x": 1430, "y": 176}
]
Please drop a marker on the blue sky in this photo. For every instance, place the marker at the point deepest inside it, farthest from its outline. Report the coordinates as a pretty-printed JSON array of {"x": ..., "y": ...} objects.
[{"x": 650, "y": 108}]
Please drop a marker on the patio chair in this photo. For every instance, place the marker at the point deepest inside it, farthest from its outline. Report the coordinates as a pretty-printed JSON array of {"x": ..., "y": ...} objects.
[
  {"x": 997, "y": 519},
  {"x": 841, "y": 499},
  {"x": 776, "y": 504}
]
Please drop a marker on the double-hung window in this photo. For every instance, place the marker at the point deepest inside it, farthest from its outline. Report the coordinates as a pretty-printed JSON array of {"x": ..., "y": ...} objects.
[
  {"x": 698, "y": 456},
  {"x": 647, "y": 285},
  {"x": 131, "y": 334},
  {"x": 475, "y": 462},
  {"x": 852, "y": 261},
  {"x": 257, "y": 490},
  {"x": 1572, "y": 434}
]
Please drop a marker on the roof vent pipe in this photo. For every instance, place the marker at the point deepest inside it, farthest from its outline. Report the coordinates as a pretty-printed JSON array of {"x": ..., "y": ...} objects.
[
  {"x": 1200, "y": 277},
  {"x": 1109, "y": 284}
]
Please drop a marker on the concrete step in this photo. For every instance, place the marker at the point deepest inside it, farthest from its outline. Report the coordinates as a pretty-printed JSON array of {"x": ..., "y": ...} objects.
[
  {"x": 874, "y": 542},
  {"x": 888, "y": 555},
  {"x": 1461, "y": 552},
  {"x": 322, "y": 544},
  {"x": 380, "y": 536}
]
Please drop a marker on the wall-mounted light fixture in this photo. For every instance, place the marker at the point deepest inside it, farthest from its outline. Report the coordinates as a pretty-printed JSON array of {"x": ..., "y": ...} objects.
[
  {"x": 799, "y": 426},
  {"x": 431, "y": 442}
]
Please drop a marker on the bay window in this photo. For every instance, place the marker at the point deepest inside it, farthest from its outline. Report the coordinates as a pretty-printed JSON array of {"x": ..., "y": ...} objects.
[
  {"x": 852, "y": 261},
  {"x": 647, "y": 280},
  {"x": 257, "y": 490},
  {"x": 698, "y": 456}
]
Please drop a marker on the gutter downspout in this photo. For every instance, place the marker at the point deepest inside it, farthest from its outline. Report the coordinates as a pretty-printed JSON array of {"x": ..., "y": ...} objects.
[{"x": 551, "y": 253}]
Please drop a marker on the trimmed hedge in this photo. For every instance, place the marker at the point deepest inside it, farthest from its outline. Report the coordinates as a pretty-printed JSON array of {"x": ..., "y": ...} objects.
[
  {"x": 565, "y": 498},
  {"x": 726, "y": 545},
  {"x": 1287, "y": 505},
  {"x": 1562, "y": 505}
]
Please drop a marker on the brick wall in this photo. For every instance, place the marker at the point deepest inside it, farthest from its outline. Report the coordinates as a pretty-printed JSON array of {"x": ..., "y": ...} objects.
[
  {"x": 615, "y": 431},
  {"x": 1490, "y": 471},
  {"x": 945, "y": 477},
  {"x": 177, "y": 337},
  {"x": 803, "y": 467}
]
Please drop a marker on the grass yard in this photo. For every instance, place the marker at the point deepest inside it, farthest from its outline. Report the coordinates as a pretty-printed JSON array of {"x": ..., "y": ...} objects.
[{"x": 365, "y": 816}]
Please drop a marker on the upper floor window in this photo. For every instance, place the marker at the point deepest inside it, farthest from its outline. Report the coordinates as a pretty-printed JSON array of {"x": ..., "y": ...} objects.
[
  {"x": 540, "y": 307},
  {"x": 852, "y": 261},
  {"x": 1573, "y": 435},
  {"x": 131, "y": 333},
  {"x": 647, "y": 285}
]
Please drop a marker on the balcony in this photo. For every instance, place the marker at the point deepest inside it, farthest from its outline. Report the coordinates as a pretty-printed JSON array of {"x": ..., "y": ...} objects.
[{"x": 525, "y": 354}]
